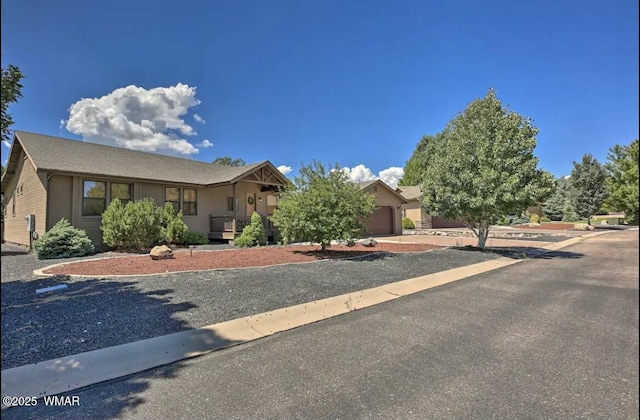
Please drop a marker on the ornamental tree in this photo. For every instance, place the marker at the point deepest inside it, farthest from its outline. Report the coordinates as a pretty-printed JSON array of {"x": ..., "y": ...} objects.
[
  {"x": 485, "y": 167},
  {"x": 228, "y": 161},
  {"x": 587, "y": 186},
  {"x": 622, "y": 182},
  {"x": 322, "y": 205},
  {"x": 11, "y": 92}
]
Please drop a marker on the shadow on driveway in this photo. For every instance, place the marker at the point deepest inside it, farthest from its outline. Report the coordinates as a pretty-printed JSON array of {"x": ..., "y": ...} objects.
[{"x": 521, "y": 253}]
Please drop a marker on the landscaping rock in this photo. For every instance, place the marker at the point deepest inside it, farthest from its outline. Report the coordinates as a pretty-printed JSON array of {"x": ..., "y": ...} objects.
[
  {"x": 161, "y": 252},
  {"x": 369, "y": 242}
]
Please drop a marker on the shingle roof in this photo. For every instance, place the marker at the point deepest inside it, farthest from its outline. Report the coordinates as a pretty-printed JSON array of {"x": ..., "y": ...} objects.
[
  {"x": 365, "y": 184},
  {"x": 410, "y": 192},
  {"x": 62, "y": 155}
]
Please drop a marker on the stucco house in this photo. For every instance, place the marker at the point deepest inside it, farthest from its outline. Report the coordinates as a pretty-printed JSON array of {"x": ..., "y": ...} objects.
[
  {"x": 414, "y": 211},
  {"x": 53, "y": 178},
  {"x": 387, "y": 219}
]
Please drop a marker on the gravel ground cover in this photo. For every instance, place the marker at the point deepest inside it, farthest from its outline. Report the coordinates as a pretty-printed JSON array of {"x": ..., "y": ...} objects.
[
  {"x": 96, "y": 313},
  {"x": 230, "y": 259}
]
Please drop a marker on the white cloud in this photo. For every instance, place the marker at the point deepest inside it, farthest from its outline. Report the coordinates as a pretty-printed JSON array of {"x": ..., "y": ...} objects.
[
  {"x": 361, "y": 173},
  {"x": 391, "y": 176},
  {"x": 198, "y": 118},
  {"x": 137, "y": 118},
  {"x": 284, "y": 169},
  {"x": 205, "y": 143},
  {"x": 6, "y": 144}
]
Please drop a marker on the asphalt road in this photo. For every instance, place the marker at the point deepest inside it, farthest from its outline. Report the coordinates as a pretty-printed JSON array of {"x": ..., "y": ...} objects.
[{"x": 553, "y": 337}]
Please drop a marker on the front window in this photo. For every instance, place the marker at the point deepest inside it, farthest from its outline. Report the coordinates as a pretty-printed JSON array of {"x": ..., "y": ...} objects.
[
  {"x": 189, "y": 202},
  {"x": 172, "y": 195},
  {"x": 229, "y": 203},
  {"x": 121, "y": 192},
  {"x": 94, "y": 198}
]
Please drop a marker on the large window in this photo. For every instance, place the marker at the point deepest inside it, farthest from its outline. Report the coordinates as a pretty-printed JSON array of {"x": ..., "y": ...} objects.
[
  {"x": 189, "y": 202},
  {"x": 121, "y": 192},
  {"x": 172, "y": 195},
  {"x": 94, "y": 198}
]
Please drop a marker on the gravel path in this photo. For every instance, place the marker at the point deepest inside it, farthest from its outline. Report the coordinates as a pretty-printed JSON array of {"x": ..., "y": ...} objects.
[{"x": 96, "y": 313}]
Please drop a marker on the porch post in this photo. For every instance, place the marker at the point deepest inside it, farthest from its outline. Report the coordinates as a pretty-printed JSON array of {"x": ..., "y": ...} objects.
[{"x": 236, "y": 203}]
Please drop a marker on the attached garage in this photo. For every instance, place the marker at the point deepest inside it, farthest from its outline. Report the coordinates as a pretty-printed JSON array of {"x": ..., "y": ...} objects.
[
  {"x": 381, "y": 222},
  {"x": 387, "y": 219}
]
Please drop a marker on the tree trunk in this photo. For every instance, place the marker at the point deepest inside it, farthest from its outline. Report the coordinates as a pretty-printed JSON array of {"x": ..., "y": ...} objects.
[{"x": 483, "y": 234}]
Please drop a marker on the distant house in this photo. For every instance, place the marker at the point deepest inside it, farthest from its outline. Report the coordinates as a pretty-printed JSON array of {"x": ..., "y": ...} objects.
[
  {"x": 387, "y": 219},
  {"x": 53, "y": 178},
  {"x": 413, "y": 210}
]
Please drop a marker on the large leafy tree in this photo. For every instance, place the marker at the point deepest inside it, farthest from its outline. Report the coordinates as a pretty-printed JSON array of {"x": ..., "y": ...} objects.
[
  {"x": 322, "y": 205},
  {"x": 485, "y": 167},
  {"x": 228, "y": 161},
  {"x": 11, "y": 92},
  {"x": 587, "y": 186},
  {"x": 419, "y": 160},
  {"x": 622, "y": 182}
]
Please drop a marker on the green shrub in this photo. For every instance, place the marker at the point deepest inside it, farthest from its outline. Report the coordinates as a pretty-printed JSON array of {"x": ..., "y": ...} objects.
[
  {"x": 544, "y": 219},
  {"x": 519, "y": 221},
  {"x": 407, "y": 223},
  {"x": 503, "y": 221},
  {"x": 253, "y": 233},
  {"x": 534, "y": 218},
  {"x": 141, "y": 224},
  {"x": 195, "y": 238},
  {"x": 172, "y": 228},
  {"x": 63, "y": 241}
]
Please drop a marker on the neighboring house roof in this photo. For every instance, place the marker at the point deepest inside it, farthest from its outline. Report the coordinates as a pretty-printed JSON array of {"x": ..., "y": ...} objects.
[
  {"x": 55, "y": 154},
  {"x": 413, "y": 192},
  {"x": 366, "y": 184}
]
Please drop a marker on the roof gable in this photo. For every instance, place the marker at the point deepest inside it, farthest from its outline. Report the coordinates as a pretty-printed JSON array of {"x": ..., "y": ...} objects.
[{"x": 369, "y": 184}]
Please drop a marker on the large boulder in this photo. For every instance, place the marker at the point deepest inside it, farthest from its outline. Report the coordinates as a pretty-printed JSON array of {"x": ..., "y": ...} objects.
[
  {"x": 369, "y": 242},
  {"x": 161, "y": 252}
]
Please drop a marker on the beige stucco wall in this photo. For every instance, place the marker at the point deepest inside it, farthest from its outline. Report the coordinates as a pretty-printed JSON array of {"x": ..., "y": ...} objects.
[
  {"x": 67, "y": 194},
  {"x": 415, "y": 212},
  {"x": 385, "y": 198},
  {"x": 60, "y": 198},
  {"x": 27, "y": 190}
]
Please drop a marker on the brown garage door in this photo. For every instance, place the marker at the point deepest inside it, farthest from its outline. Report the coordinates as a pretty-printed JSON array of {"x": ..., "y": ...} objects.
[{"x": 381, "y": 222}]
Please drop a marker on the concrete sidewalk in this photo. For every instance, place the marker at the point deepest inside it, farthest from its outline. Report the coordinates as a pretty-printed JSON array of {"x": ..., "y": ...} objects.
[{"x": 80, "y": 370}]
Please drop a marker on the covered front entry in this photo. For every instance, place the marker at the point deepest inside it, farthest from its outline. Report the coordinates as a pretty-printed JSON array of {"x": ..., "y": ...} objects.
[
  {"x": 256, "y": 190},
  {"x": 381, "y": 222}
]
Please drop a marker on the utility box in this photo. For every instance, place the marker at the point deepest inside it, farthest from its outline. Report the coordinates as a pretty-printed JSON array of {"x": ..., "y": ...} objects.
[{"x": 31, "y": 222}]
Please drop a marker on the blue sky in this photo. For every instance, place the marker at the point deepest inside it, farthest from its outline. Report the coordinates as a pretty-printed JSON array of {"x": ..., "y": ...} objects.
[{"x": 352, "y": 82}]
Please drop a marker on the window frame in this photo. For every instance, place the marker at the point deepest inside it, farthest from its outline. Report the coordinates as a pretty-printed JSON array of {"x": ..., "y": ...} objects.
[
  {"x": 123, "y": 201},
  {"x": 176, "y": 204},
  {"x": 230, "y": 204},
  {"x": 184, "y": 202},
  {"x": 104, "y": 199}
]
